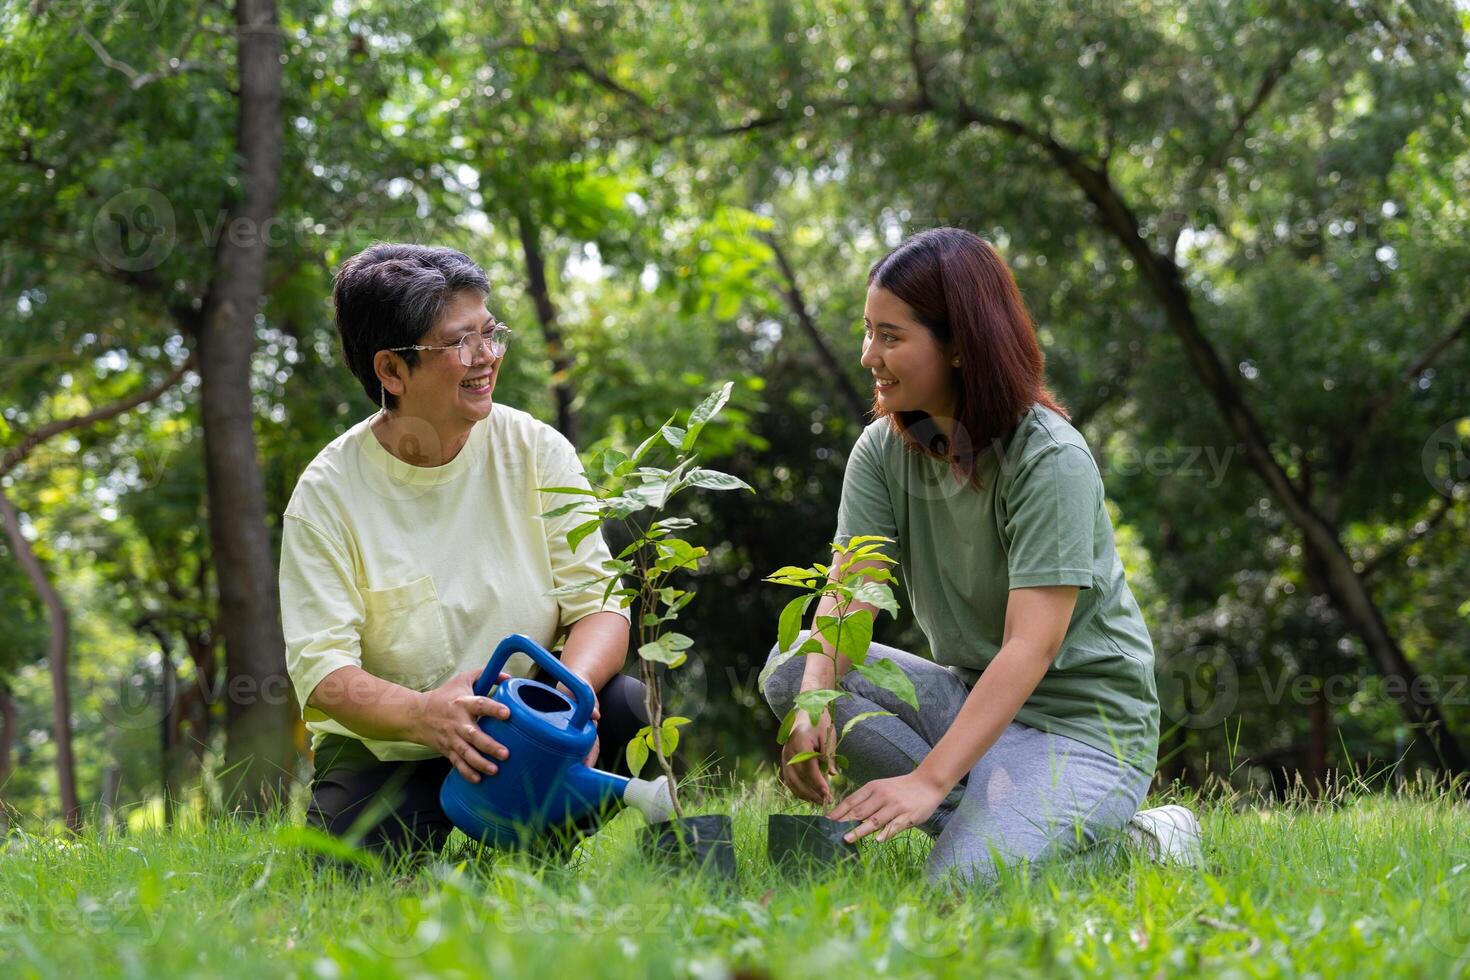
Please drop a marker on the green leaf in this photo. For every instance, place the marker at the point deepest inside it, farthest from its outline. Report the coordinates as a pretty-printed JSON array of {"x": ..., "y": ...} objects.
[
  {"x": 887, "y": 675},
  {"x": 673, "y": 435},
  {"x": 857, "y": 718},
  {"x": 670, "y": 735},
  {"x": 877, "y": 594},
  {"x": 565, "y": 509},
  {"x": 871, "y": 554},
  {"x": 669, "y": 740},
  {"x": 791, "y": 571},
  {"x": 784, "y": 732},
  {"x": 794, "y": 583},
  {"x": 651, "y": 441},
  {"x": 634, "y": 499},
  {"x": 856, "y": 635},
  {"x": 715, "y": 480},
  {"x": 815, "y": 702},
  {"x": 604, "y": 464},
  {"x": 702, "y": 413},
  {"x": 801, "y": 757},
  {"x": 675, "y": 524},
  {"x": 676, "y": 553},
  {"x": 790, "y": 624},
  {"x": 860, "y": 540},
  {"x": 637, "y": 754},
  {"x": 667, "y": 649},
  {"x": 584, "y": 491},
  {"x": 575, "y": 588},
  {"x": 579, "y": 533},
  {"x": 676, "y": 720},
  {"x": 771, "y": 666}
]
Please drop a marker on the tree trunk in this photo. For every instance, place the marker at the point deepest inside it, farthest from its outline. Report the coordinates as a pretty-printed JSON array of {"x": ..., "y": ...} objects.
[
  {"x": 1321, "y": 541},
  {"x": 107, "y": 800},
  {"x": 168, "y": 730},
  {"x": 259, "y": 708},
  {"x": 561, "y": 362},
  {"x": 857, "y": 407},
  {"x": 9, "y": 730},
  {"x": 1321, "y": 724},
  {"x": 60, "y": 641},
  {"x": 57, "y": 648}
]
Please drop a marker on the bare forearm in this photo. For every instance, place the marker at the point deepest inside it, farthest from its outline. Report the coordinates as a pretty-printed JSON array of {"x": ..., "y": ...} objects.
[
  {"x": 825, "y": 669},
  {"x": 991, "y": 705},
  {"x": 597, "y": 648},
  {"x": 370, "y": 706}
]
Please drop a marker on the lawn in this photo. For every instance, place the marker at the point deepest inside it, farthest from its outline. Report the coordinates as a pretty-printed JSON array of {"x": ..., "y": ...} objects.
[{"x": 1370, "y": 885}]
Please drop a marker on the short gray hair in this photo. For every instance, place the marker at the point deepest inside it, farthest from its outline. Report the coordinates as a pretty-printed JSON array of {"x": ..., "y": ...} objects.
[{"x": 390, "y": 295}]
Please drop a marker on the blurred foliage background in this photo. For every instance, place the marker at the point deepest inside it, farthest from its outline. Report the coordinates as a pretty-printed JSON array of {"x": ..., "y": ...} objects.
[{"x": 667, "y": 196}]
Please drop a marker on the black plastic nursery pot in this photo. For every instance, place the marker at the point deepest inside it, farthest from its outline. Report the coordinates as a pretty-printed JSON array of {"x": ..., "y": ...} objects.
[
  {"x": 801, "y": 841},
  {"x": 705, "y": 842}
]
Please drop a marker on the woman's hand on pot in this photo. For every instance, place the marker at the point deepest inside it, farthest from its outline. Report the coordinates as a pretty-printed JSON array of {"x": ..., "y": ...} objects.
[
  {"x": 889, "y": 806},
  {"x": 449, "y": 724},
  {"x": 807, "y": 779}
]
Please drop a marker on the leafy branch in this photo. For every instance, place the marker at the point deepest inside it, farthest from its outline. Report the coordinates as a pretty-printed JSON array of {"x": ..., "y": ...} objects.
[
  {"x": 849, "y": 632},
  {"x": 626, "y": 489}
]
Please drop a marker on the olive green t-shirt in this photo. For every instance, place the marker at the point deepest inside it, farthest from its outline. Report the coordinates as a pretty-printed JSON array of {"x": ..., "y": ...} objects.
[{"x": 1038, "y": 519}]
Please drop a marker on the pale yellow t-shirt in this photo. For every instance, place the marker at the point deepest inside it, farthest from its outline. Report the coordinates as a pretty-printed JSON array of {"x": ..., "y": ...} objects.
[{"x": 416, "y": 573}]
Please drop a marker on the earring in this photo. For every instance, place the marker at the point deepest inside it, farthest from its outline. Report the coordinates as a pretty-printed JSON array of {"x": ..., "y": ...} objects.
[
  {"x": 384, "y": 392},
  {"x": 956, "y": 362}
]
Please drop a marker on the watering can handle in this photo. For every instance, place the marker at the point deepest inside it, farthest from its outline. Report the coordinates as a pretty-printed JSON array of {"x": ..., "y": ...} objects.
[{"x": 582, "y": 694}]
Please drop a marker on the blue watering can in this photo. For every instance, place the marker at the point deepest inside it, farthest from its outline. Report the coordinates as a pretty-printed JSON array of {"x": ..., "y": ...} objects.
[{"x": 543, "y": 784}]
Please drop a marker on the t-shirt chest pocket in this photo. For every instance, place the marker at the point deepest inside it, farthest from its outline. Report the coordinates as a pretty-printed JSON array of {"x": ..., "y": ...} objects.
[{"x": 404, "y": 636}]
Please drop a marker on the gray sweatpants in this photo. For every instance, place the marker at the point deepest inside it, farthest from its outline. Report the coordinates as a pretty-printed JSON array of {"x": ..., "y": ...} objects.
[{"x": 1032, "y": 796}]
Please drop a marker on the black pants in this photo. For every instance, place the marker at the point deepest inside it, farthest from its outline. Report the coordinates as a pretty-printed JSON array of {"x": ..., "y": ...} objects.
[{"x": 394, "y": 806}]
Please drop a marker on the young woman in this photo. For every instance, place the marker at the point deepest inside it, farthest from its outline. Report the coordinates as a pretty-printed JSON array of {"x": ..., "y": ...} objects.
[
  {"x": 413, "y": 544},
  {"x": 1037, "y": 728}
]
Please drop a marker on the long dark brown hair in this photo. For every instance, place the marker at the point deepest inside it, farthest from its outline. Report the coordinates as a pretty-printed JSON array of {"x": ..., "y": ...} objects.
[{"x": 959, "y": 287}]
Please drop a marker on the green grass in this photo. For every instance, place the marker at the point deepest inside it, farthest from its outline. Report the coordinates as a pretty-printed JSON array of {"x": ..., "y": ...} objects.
[{"x": 1368, "y": 885}]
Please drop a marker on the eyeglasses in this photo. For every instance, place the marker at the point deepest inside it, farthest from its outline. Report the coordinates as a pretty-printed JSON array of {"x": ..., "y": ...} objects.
[{"x": 496, "y": 340}]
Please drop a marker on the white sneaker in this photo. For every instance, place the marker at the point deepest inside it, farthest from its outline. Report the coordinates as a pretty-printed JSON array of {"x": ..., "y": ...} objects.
[{"x": 1170, "y": 834}]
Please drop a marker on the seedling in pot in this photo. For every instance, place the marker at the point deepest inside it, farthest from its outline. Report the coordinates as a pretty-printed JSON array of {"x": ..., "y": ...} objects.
[
  {"x": 804, "y": 838},
  {"x": 628, "y": 490}
]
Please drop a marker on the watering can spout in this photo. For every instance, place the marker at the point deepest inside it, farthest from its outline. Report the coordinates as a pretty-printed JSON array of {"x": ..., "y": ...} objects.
[
  {"x": 594, "y": 787},
  {"x": 652, "y": 799}
]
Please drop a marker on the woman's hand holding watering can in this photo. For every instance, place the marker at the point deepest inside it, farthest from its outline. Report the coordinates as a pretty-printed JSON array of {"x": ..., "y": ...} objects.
[{"x": 449, "y": 723}]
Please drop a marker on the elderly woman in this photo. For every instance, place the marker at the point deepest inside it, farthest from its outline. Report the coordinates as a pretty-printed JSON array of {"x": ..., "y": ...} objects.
[{"x": 413, "y": 544}]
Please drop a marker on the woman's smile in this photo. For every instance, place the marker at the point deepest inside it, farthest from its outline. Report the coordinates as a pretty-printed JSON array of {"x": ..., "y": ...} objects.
[{"x": 480, "y": 385}]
